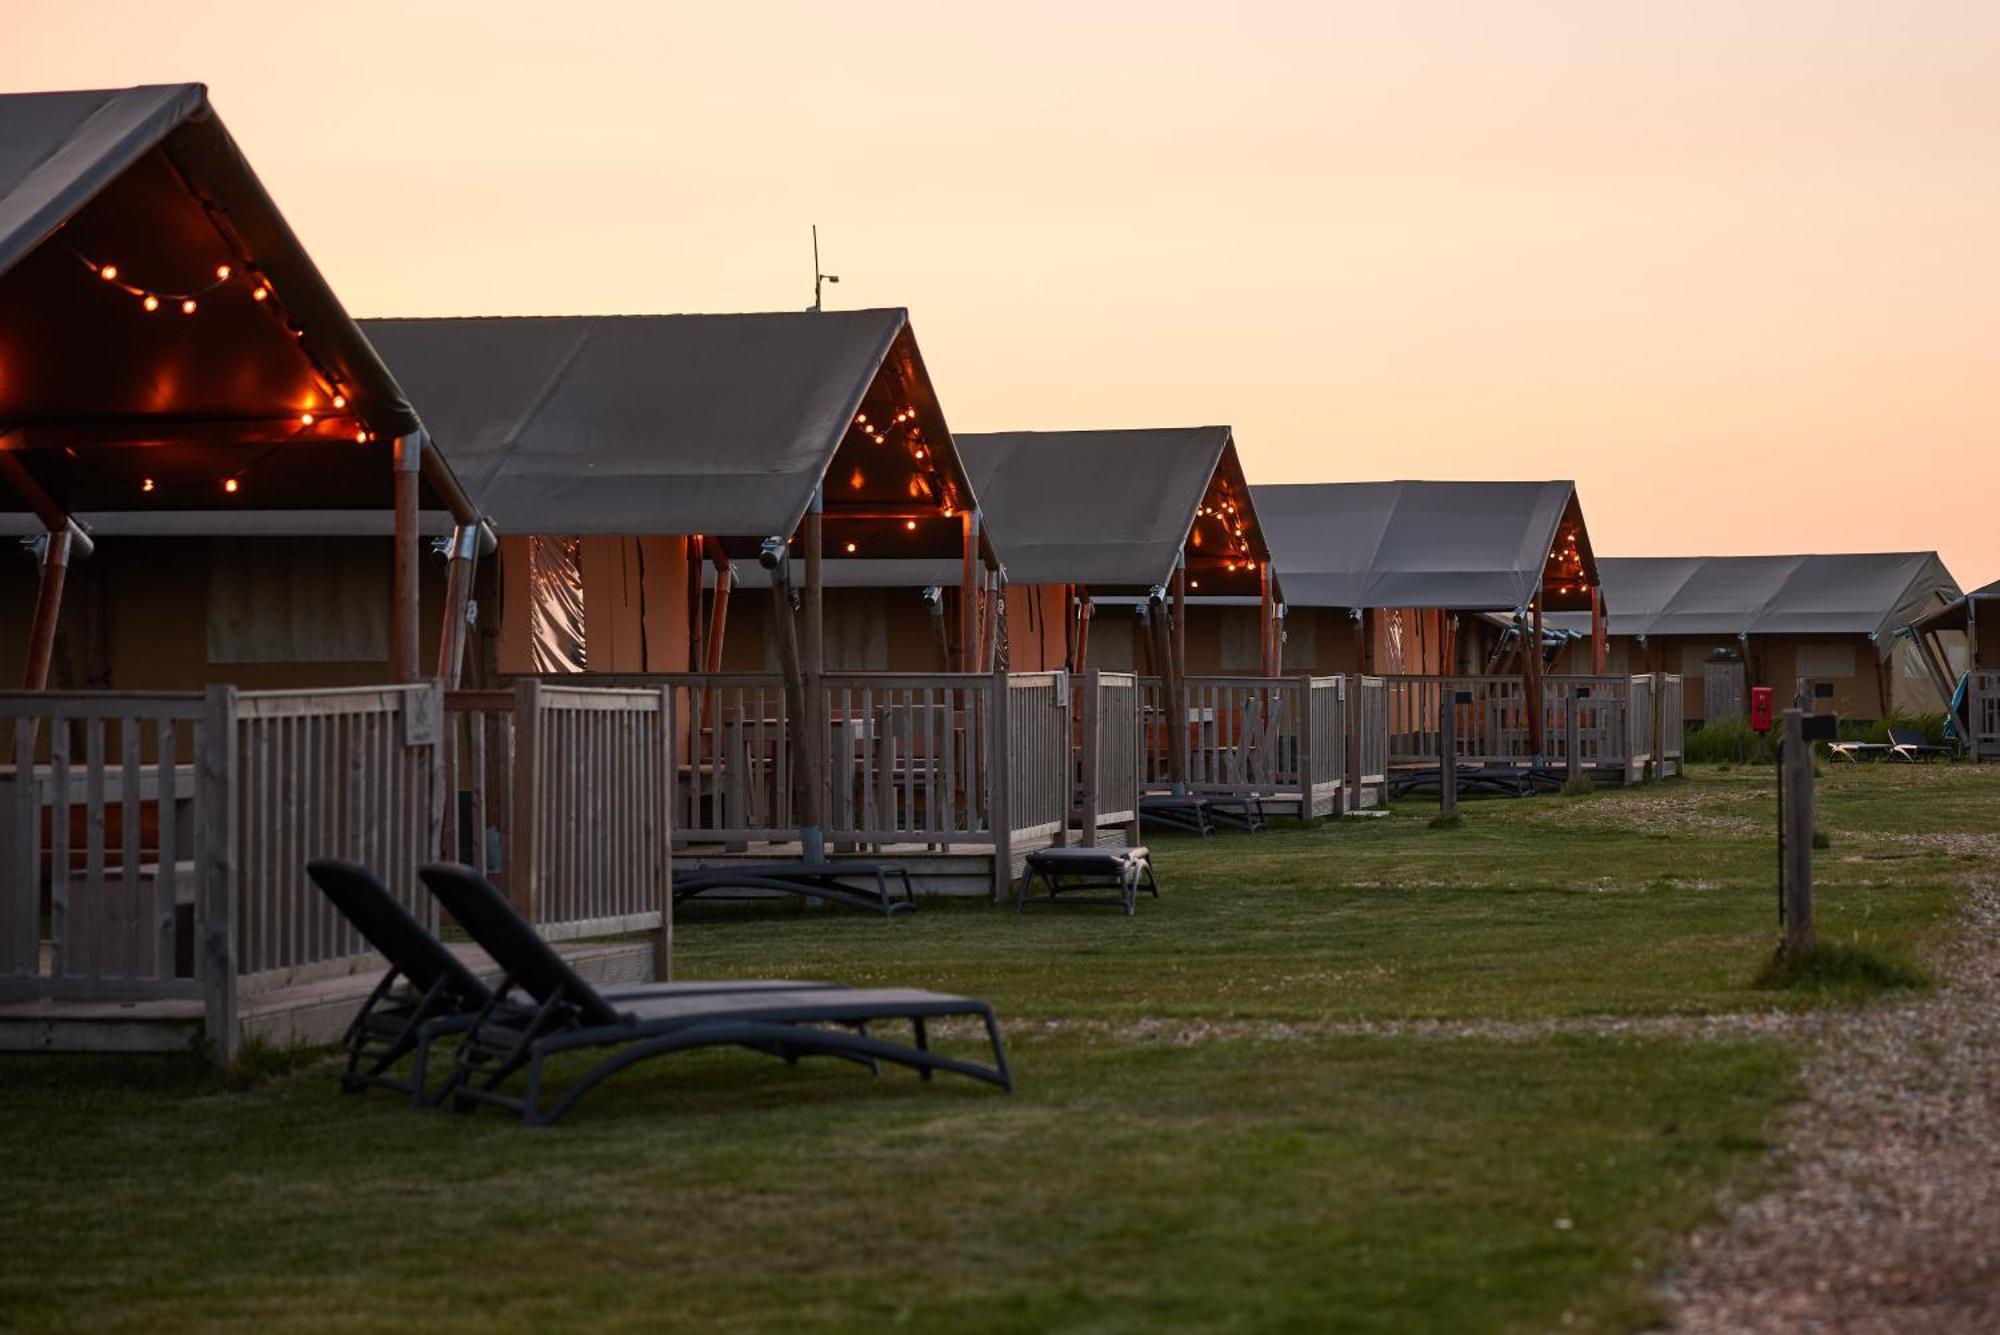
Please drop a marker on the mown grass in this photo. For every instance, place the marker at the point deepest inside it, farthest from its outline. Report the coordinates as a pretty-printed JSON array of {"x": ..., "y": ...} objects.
[
  {"x": 1649, "y": 901},
  {"x": 1228, "y": 1168}
]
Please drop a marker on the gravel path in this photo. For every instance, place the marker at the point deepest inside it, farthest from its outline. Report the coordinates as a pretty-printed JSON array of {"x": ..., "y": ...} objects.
[{"x": 1889, "y": 1216}]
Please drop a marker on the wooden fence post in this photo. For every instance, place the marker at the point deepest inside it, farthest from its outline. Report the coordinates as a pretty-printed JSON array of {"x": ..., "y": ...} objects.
[
  {"x": 1447, "y": 754},
  {"x": 1351, "y": 792},
  {"x": 215, "y": 788},
  {"x": 662, "y": 851},
  {"x": 1572, "y": 752},
  {"x": 1087, "y": 715},
  {"x": 1303, "y": 722},
  {"x": 1796, "y": 773},
  {"x": 523, "y": 853},
  {"x": 998, "y": 768}
]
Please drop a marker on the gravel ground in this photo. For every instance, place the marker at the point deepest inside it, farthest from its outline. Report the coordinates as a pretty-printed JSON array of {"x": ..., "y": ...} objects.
[{"x": 1889, "y": 1215}]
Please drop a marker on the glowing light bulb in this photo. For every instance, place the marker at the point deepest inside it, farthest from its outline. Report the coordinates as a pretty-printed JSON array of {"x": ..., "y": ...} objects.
[
  {"x": 920, "y": 454},
  {"x": 151, "y": 303},
  {"x": 361, "y": 438},
  {"x": 340, "y": 400},
  {"x": 109, "y": 273},
  {"x": 850, "y": 549},
  {"x": 222, "y": 272},
  {"x": 229, "y": 485},
  {"x": 861, "y": 419},
  {"x": 305, "y": 419},
  {"x": 259, "y": 292},
  {"x": 146, "y": 485},
  {"x": 910, "y": 524},
  {"x": 187, "y": 307}
]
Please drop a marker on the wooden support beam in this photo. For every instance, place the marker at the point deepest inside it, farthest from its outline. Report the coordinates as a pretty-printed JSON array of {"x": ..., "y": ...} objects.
[
  {"x": 1600, "y": 645},
  {"x": 1267, "y": 623},
  {"x": 718, "y": 617},
  {"x": 1085, "y": 612},
  {"x": 1795, "y": 764},
  {"x": 459, "y": 574},
  {"x": 48, "y": 611},
  {"x": 968, "y": 592},
  {"x": 1352, "y": 702},
  {"x": 812, "y": 661},
  {"x": 1180, "y": 624},
  {"x": 1531, "y": 666},
  {"x": 697, "y": 642},
  {"x": 409, "y": 454}
]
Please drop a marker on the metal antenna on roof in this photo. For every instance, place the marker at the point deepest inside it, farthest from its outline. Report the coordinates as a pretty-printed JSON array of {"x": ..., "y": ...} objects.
[{"x": 819, "y": 278}]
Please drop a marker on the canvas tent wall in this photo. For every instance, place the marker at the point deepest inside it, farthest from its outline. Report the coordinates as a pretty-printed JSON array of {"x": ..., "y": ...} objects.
[
  {"x": 1726, "y": 623},
  {"x": 177, "y": 372},
  {"x": 1382, "y": 576},
  {"x": 1972, "y": 623}
]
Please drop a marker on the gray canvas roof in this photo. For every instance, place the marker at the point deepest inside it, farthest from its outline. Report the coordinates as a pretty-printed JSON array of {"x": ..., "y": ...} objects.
[
  {"x": 1870, "y": 593},
  {"x": 1108, "y": 508},
  {"x": 718, "y": 424},
  {"x": 115, "y": 410},
  {"x": 1467, "y": 546}
]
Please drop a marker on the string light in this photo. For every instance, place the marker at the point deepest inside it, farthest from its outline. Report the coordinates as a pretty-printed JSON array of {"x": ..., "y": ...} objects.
[
  {"x": 910, "y": 524},
  {"x": 339, "y": 401},
  {"x": 850, "y": 549},
  {"x": 259, "y": 292},
  {"x": 146, "y": 485},
  {"x": 187, "y": 307},
  {"x": 229, "y": 485},
  {"x": 305, "y": 419},
  {"x": 151, "y": 303},
  {"x": 109, "y": 273}
]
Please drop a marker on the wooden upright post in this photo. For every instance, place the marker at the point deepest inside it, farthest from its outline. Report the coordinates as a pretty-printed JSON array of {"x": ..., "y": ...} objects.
[
  {"x": 1572, "y": 750},
  {"x": 998, "y": 761},
  {"x": 1447, "y": 753},
  {"x": 718, "y": 618},
  {"x": 1600, "y": 646},
  {"x": 459, "y": 575},
  {"x": 1084, "y": 612},
  {"x": 48, "y": 611},
  {"x": 1531, "y": 668},
  {"x": 1796, "y": 773},
  {"x": 1087, "y": 723},
  {"x": 522, "y": 858},
  {"x": 215, "y": 871},
  {"x": 1352, "y": 693},
  {"x": 409, "y": 455},
  {"x": 1180, "y": 625},
  {"x": 812, "y": 653},
  {"x": 1267, "y": 622},
  {"x": 968, "y": 592}
]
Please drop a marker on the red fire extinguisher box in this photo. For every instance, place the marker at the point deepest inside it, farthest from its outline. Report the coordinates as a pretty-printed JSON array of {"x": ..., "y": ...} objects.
[{"x": 1760, "y": 708}]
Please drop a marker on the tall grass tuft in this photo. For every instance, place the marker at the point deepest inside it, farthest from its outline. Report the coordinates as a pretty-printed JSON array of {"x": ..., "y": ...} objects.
[{"x": 1846, "y": 972}]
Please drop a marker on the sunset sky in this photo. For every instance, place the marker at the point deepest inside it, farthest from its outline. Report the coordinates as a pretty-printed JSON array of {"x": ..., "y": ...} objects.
[{"x": 1735, "y": 267}]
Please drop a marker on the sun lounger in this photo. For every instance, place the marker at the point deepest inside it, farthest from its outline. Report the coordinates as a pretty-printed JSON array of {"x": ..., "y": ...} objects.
[
  {"x": 557, "y": 1012},
  {"x": 438, "y": 995},
  {"x": 825, "y": 881},
  {"x": 1070, "y": 869},
  {"x": 1856, "y": 752},
  {"x": 1910, "y": 746},
  {"x": 1176, "y": 812}
]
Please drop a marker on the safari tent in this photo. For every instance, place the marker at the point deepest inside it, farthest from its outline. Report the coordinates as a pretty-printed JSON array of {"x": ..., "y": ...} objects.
[
  {"x": 1836, "y": 624},
  {"x": 1972, "y": 680}
]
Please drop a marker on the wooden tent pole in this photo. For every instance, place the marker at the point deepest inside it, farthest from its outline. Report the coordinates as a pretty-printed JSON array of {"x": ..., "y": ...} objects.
[
  {"x": 48, "y": 610},
  {"x": 1084, "y": 612},
  {"x": 776, "y": 558},
  {"x": 1531, "y": 662},
  {"x": 408, "y": 460},
  {"x": 459, "y": 574},
  {"x": 968, "y": 592},
  {"x": 1600, "y": 646},
  {"x": 697, "y": 644},
  {"x": 1266, "y": 659},
  {"x": 718, "y": 618},
  {"x": 812, "y": 653},
  {"x": 1180, "y": 625}
]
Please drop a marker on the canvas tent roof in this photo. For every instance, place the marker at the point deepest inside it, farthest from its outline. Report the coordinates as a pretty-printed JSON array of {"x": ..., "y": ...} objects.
[
  {"x": 1952, "y": 616},
  {"x": 665, "y": 424},
  {"x": 108, "y": 197},
  {"x": 1466, "y": 546},
  {"x": 1106, "y": 508},
  {"x": 1870, "y": 593}
]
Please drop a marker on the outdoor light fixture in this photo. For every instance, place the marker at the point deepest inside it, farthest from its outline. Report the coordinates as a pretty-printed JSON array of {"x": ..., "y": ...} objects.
[{"x": 771, "y": 553}]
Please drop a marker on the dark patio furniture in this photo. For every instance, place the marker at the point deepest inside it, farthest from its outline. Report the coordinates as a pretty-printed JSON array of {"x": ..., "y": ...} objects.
[
  {"x": 826, "y": 881},
  {"x": 1065, "y": 870}
]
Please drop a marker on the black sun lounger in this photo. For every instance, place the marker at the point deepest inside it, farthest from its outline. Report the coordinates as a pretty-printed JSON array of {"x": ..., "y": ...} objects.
[
  {"x": 811, "y": 880},
  {"x": 1173, "y": 812},
  {"x": 1071, "y": 869},
  {"x": 562, "y": 1013},
  {"x": 442, "y": 995}
]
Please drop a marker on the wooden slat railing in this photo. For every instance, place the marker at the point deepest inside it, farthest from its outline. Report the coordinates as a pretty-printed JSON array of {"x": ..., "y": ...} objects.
[
  {"x": 564, "y": 796},
  {"x": 910, "y": 757},
  {"x": 1983, "y": 714},
  {"x": 1109, "y": 752},
  {"x": 1374, "y": 731},
  {"x": 1670, "y": 728},
  {"x": 1323, "y": 743},
  {"x": 1641, "y": 725},
  {"x": 101, "y": 838},
  {"x": 338, "y": 773},
  {"x": 1037, "y": 735}
]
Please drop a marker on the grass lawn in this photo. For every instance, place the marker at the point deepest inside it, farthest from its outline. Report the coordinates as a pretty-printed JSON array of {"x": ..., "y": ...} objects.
[{"x": 1260, "y": 1177}]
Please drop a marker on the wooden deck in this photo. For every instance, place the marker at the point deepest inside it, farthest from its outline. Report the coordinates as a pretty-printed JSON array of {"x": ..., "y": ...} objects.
[{"x": 309, "y": 1013}]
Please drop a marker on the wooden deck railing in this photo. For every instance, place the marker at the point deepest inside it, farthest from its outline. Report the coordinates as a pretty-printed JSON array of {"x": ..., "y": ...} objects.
[
  {"x": 911, "y": 759},
  {"x": 563, "y": 795},
  {"x": 102, "y": 835},
  {"x": 1983, "y": 714},
  {"x": 337, "y": 773},
  {"x": 1109, "y": 753},
  {"x": 1670, "y": 731},
  {"x": 1623, "y": 723},
  {"x": 1271, "y": 737}
]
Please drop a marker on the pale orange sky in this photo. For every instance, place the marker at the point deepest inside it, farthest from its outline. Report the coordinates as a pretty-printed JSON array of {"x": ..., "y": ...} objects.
[{"x": 1735, "y": 267}]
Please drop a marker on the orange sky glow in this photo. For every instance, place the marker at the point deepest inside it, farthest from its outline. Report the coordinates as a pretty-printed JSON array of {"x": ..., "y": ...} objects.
[{"x": 1735, "y": 267}]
